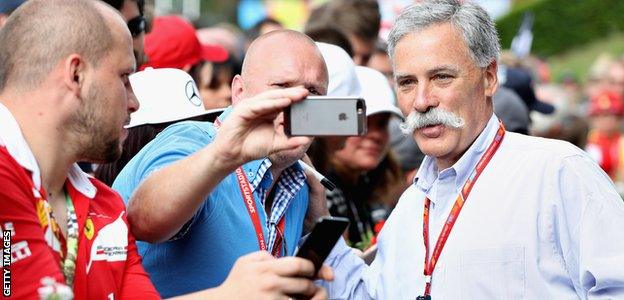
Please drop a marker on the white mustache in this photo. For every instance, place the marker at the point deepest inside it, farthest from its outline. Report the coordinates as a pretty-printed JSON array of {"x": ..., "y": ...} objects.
[{"x": 434, "y": 116}]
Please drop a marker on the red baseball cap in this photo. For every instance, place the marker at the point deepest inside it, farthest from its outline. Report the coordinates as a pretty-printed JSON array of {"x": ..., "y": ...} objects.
[
  {"x": 606, "y": 102},
  {"x": 172, "y": 44}
]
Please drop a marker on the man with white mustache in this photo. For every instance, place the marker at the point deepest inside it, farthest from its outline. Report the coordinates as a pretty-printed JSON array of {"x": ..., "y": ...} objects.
[{"x": 490, "y": 214}]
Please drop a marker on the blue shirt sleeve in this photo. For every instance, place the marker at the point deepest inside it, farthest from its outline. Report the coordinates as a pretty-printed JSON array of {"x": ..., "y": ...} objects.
[
  {"x": 176, "y": 142},
  {"x": 349, "y": 273}
]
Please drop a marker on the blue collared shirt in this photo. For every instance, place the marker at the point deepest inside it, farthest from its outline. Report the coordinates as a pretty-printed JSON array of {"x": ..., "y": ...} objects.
[
  {"x": 542, "y": 222},
  {"x": 288, "y": 185},
  {"x": 290, "y": 181},
  {"x": 221, "y": 231}
]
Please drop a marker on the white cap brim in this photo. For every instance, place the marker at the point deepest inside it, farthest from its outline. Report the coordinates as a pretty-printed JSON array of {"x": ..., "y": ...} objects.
[{"x": 164, "y": 120}]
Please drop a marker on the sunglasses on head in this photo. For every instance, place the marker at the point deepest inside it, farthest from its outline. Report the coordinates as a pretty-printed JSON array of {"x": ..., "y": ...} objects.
[{"x": 136, "y": 25}]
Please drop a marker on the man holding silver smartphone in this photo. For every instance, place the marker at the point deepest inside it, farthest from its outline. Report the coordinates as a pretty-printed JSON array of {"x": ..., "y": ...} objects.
[
  {"x": 490, "y": 214},
  {"x": 204, "y": 194}
]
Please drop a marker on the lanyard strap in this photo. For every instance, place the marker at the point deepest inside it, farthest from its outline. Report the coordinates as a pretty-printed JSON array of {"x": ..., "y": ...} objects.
[
  {"x": 250, "y": 205},
  {"x": 69, "y": 264},
  {"x": 46, "y": 218},
  {"x": 252, "y": 210},
  {"x": 459, "y": 203}
]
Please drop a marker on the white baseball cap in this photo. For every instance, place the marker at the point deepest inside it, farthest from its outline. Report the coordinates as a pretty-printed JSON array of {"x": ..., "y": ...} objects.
[
  {"x": 165, "y": 95},
  {"x": 341, "y": 69},
  {"x": 376, "y": 92}
]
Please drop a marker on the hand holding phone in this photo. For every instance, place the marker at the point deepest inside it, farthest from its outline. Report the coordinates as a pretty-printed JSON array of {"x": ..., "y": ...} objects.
[
  {"x": 326, "y": 116},
  {"x": 322, "y": 239}
]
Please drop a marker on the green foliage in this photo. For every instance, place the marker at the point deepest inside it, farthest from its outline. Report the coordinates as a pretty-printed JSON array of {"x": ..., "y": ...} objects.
[
  {"x": 564, "y": 24},
  {"x": 580, "y": 59}
]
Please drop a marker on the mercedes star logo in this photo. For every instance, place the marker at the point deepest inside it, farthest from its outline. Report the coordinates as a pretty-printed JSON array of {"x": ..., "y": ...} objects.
[{"x": 192, "y": 94}]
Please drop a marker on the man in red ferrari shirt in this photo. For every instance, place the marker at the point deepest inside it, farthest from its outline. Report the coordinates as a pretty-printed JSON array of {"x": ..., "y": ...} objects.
[{"x": 65, "y": 97}]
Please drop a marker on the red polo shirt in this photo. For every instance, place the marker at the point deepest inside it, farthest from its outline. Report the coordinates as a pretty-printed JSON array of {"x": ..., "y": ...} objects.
[{"x": 107, "y": 264}]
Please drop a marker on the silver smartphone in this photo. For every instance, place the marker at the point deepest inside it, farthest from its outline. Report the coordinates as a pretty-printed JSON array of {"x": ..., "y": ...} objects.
[{"x": 326, "y": 116}]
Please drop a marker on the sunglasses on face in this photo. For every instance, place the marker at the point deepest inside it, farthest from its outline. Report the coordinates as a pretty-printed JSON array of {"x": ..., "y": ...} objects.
[{"x": 136, "y": 25}]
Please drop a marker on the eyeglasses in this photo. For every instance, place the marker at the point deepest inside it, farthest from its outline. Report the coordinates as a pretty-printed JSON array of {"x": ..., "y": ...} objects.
[{"x": 136, "y": 25}]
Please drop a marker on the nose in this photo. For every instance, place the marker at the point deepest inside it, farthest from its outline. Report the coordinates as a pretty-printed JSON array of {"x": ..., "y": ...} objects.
[
  {"x": 424, "y": 99},
  {"x": 133, "y": 102}
]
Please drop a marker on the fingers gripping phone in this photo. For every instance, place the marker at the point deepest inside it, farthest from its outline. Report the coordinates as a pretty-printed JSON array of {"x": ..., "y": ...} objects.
[
  {"x": 326, "y": 116},
  {"x": 322, "y": 239}
]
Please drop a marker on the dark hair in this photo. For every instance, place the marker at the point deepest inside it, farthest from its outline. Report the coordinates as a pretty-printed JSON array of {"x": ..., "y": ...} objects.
[
  {"x": 118, "y": 4},
  {"x": 217, "y": 68},
  {"x": 195, "y": 71},
  {"x": 317, "y": 152},
  {"x": 331, "y": 35},
  {"x": 254, "y": 31},
  {"x": 360, "y": 18}
]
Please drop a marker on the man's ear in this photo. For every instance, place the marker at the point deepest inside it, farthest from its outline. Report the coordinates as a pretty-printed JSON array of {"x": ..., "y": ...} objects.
[
  {"x": 491, "y": 79},
  {"x": 237, "y": 89},
  {"x": 74, "y": 73}
]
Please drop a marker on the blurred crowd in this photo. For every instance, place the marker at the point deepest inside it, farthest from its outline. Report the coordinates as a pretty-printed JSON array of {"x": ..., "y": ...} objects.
[
  {"x": 585, "y": 113},
  {"x": 187, "y": 74}
]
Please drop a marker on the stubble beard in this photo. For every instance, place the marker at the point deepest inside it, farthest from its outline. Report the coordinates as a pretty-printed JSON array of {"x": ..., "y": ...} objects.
[
  {"x": 99, "y": 143},
  {"x": 284, "y": 159}
]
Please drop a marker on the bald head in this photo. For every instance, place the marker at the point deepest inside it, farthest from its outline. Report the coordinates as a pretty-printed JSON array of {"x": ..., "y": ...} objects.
[
  {"x": 286, "y": 40},
  {"x": 41, "y": 33},
  {"x": 284, "y": 58}
]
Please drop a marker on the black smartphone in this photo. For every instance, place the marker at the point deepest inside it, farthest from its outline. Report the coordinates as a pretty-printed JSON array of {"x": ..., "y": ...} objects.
[
  {"x": 322, "y": 239},
  {"x": 326, "y": 116}
]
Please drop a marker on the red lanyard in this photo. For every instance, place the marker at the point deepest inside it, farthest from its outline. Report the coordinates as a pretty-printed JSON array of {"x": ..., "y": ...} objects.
[
  {"x": 459, "y": 203},
  {"x": 250, "y": 204}
]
